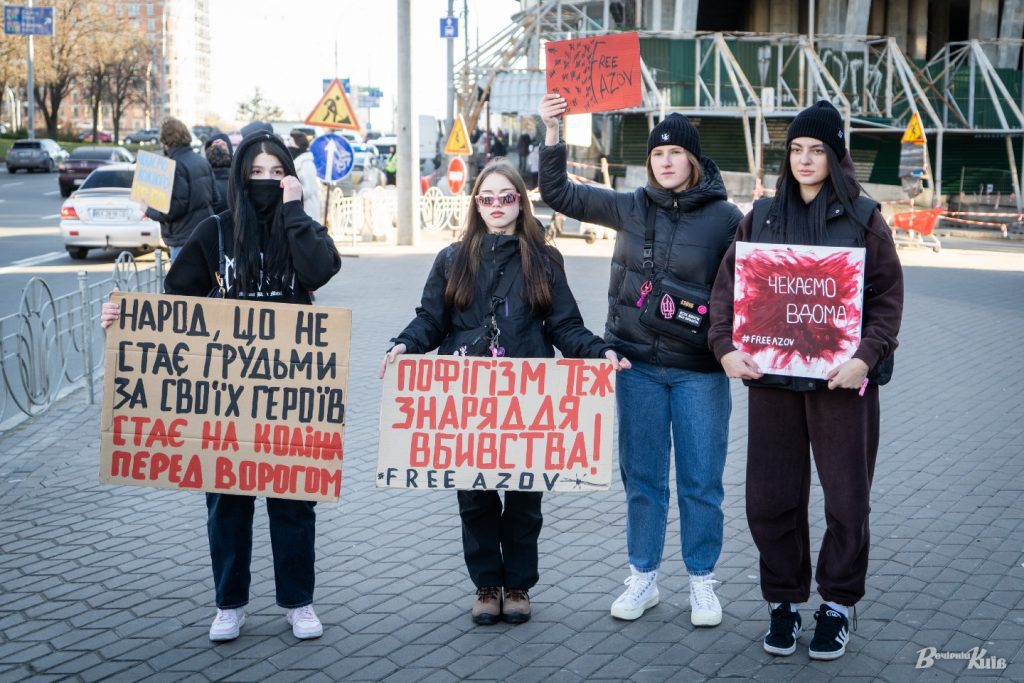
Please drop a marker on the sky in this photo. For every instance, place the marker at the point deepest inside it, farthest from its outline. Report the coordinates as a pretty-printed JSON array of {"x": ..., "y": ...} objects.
[{"x": 286, "y": 48}]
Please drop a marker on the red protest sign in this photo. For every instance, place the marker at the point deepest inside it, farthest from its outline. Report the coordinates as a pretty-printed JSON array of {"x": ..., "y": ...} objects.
[
  {"x": 225, "y": 396},
  {"x": 595, "y": 74},
  {"x": 523, "y": 424},
  {"x": 797, "y": 308}
]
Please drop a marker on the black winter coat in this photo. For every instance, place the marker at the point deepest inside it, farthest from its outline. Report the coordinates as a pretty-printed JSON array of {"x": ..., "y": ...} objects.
[
  {"x": 192, "y": 198},
  {"x": 692, "y": 231},
  {"x": 523, "y": 334},
  {"x": 315, "y": 259},
  {"x": 220, "y": 179}
]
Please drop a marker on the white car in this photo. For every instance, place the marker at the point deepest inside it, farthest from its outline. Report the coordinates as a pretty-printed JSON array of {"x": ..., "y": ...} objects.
[{"x": 101, "y": 215}]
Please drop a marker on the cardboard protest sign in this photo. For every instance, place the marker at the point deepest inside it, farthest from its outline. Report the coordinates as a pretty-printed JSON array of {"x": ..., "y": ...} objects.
[
  {"x": 595, "y": 74},
  {"x": 153, "y": 181},
  {"x": 522, "y": 424},
  {"x": 225, "y": 396},
  {"x": 797, "y": 308}
]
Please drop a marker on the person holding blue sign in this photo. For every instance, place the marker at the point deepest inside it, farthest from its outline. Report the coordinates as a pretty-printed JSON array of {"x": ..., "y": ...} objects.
[
  {"x": 817, "y": 202},
  {"x": 263, "y": 248}
]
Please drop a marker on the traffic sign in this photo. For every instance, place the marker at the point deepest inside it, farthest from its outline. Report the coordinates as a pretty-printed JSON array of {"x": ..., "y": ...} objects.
[
  {"x": 458, "y": 139},
  {"x": 450, "y": 27},
  {"x": 333, "y": 110},
  {"x": 28, "y": 21},
  {"x": 332, "y": 156},
  {"x": 914, "y": 134},
  {"x": 456, "y": 174}
]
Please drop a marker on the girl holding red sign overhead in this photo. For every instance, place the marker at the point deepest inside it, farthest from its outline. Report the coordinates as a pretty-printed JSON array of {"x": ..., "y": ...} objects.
[
  {"x": 500, "y": 291},
  {"x": 672, "y": 234},
  {"x": 817, "y": 202},
  {"x": 263, "y": 248}
]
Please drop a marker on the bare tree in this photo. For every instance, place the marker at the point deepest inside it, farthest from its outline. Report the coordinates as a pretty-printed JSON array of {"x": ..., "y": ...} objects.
[
  {"x": 12, "y": 69},
  {"x": 257, "y": 108},
  {"x": 127, "y": 82}
]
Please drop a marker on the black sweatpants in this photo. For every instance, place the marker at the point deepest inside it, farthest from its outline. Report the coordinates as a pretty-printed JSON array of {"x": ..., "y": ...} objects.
[
  {"x": 841, "y": 429},
  {"x": 500, "y": 545}
]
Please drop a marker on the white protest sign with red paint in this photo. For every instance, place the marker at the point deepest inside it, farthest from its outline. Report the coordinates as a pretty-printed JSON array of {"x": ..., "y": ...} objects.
[
  {"x": 456, "y": 175},
  {"x": 798, "y": 308},
  {"x": 522, "y": 424}
]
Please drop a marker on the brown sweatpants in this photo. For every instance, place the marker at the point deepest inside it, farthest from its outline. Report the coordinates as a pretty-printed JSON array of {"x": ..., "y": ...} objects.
[{"x": 841, "y": 429}]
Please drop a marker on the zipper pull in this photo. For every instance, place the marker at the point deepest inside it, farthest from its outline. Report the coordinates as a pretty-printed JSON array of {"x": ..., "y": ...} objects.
[{"x": 645, "y": 289}]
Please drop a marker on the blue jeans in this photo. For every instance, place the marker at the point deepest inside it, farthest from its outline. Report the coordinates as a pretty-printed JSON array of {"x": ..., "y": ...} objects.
[
  {"x": 659, "y": 407},
  {"x": 292, "y": 538}
]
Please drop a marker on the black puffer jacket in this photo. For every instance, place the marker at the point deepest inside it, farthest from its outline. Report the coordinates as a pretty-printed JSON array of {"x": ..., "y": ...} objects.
[
  {"x": 523, "y": 334},
  {"x": 192, "y": 198},
  {"x": 692, "y": 231}
]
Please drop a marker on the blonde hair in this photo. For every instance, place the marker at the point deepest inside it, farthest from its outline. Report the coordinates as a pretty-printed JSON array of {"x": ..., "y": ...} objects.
[{"x": 696, "y": 172}]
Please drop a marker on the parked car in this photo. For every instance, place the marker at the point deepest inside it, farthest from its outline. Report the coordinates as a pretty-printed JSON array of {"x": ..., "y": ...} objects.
[
  {"x": 43, "y": 154},
  {"x": 84, "y": 161},
  {"x": 204, "y": 132},
  {"x": 367, "y": 167},
  {"x": 144, "y": 136},
  {"x": 101, "y": 134},
  {"x": 101, "y": 215}
]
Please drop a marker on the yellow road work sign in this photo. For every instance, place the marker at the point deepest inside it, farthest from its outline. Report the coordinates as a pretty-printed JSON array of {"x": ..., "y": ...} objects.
[
  {"x": 914, "y": 134},
  {"x": 333, "y": 110},
  {"x": 458, "y": 139}
]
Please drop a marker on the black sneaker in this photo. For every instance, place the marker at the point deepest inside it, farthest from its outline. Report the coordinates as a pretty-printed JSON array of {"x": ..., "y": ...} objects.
[
  {"x": 783, "y": 632},
  {"x": 830, "y": 634}
]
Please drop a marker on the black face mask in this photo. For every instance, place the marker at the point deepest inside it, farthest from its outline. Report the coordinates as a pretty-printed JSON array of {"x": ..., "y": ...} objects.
[{"x": 265, "y": 194}]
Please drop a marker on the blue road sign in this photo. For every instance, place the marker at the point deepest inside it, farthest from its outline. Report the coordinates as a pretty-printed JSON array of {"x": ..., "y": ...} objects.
[
  {"x": 28, "y": 21},
  {"x": 346, "y": 85},
  {"x": 333, "y": 157},
  {"x": 450, "y": 27}
]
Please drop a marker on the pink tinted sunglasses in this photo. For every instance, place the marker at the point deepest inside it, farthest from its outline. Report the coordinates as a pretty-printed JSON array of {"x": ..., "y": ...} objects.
[{"x": 505, "y": 199}]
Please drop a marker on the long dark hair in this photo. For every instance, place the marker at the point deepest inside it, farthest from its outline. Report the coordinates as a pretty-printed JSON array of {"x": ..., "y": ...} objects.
[
  {"x": 259, "y": 243},
  {"x": 461, "y": 287},
  {"x": 788, "y": 205}
]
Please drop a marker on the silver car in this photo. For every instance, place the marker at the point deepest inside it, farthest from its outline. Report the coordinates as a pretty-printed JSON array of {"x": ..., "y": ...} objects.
[
  {"x": 102, "y": 215},
  {"x": 35, "y": 155}
]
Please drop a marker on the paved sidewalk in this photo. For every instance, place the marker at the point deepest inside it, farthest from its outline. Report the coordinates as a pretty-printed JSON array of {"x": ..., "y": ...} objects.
[{"x": 113, "y": 583}]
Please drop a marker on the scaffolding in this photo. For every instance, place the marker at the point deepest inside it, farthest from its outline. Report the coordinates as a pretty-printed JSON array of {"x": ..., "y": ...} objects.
[{"x": 754, "y": 76}]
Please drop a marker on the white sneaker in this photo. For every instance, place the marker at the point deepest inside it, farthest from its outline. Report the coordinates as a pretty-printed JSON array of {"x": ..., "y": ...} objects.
[
  {"x": 227, "y": 624},
  {"x": 305, "y": 623},
  {"x": 641, "y": 595},
  {"x": 705, "y": 609}
]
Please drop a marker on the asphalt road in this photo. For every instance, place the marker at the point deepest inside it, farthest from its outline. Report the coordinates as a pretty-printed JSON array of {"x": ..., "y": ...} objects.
[{"x": 30, "y": 244}]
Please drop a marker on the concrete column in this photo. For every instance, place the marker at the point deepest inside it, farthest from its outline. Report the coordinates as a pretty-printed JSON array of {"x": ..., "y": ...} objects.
[
  {"x": 785, "y": 16},
  {"x": 408, "y": 163},
  {"x": 760, "y": 17},
  {"x": 984, "y": 23},
  {"x": 917, "y": 45},
  {"x": 876, "y": 20},
  {"x": 684, "y": 15},
  {"x": 1011, "y": 26},
  {"x": 857, "y": 12},
  {"x": 830, "y": 17},
  {"x": 655, "y": 15},
  {"x": 896, "y": 21}
]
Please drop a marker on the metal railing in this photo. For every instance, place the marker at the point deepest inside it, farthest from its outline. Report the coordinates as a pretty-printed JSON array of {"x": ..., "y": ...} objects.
[
  {"x": 373, "y": 213},
  {"x": 53, "y": 344}
]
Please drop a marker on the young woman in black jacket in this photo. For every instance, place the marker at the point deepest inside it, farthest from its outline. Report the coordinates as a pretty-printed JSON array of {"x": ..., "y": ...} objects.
[
  {"x": 500, "y": 546},
  {"x": 273, "y": 252},
  {"x": 675, "y": 229}
]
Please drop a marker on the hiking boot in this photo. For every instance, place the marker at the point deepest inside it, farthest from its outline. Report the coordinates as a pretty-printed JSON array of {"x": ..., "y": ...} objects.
[
  {"x": 305, "y": 624},
  {"x": 641, "y": 594},
  {"x": 783, "y": 632},
  {"x": 831, "y": 634},
  {"x": 705, "y": 610},
  {"x": 227, "y": 624},
  {"x": 516, "y": 607},
  {"x": 487, "y": 608}
]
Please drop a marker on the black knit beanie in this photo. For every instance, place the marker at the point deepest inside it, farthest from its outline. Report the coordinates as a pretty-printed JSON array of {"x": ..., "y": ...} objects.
[
  {"x": 820, "y": 121},
  {"x": 675, "y": 129}
]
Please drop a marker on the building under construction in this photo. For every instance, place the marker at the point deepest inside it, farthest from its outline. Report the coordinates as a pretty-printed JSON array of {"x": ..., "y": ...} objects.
[{"x": 741, "y": 69}]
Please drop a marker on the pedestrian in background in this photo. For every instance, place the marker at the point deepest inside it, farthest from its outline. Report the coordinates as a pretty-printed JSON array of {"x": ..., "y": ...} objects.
[
  {"x": 194, "y": 193},
  {"x": 501, "y": 236},
  {"x": 305, "y": 169},
  {"x": 818, "y": 201},
  {"x": 672, "y": 235},
  {"x": 276, "y": 253},
  {"x": 219, "y": 157},
  {"x": 391, "y": 166}
]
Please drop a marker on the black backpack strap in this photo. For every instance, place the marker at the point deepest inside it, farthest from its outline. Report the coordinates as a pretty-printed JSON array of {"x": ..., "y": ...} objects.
[
  {"x": 221, "y": 259},
  {"x": 504, "y": 283},
  {"x": 648, "y": 253}
]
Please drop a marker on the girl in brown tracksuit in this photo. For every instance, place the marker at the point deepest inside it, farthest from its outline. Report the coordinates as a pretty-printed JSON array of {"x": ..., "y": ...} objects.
[{"x": 817, "y": 202}]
